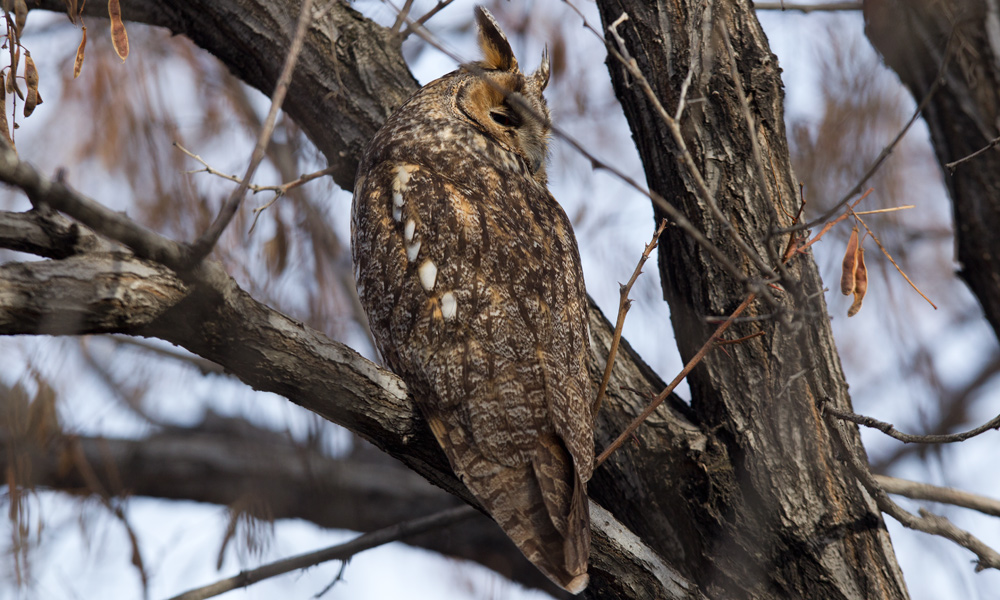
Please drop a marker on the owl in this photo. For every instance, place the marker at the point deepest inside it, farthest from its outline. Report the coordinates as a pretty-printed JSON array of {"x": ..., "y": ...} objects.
[{"x": 470, "y": 275}]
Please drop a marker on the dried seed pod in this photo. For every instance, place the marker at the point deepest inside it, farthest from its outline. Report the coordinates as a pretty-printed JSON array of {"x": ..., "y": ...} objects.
[
  {"x": 30, "y": 72},
  {"x": 71, "y": 11},
  {"x": 119, "y": 38},
  {"x": 31, "y": 78},
  {"x": 4, "y": 127},
  {"x": 847, "y": 274},
  {"x": 20, "y": 16},
  {"x": 78, "y": 63},
  {"x": 30, "y": 102},
  {"x": 861, "y": 284}
]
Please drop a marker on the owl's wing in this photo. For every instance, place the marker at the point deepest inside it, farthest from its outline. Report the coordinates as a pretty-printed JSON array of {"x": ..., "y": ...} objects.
[{"x": 482, "y": 310}]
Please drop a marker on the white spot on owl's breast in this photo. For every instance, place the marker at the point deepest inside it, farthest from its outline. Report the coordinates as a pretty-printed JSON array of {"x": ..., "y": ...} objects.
[
  {"x": 401, "y": 183},
  {"x": 412, "y": 251},
  {"x": 428, "y": 274},
  {"x": 411, "y": 227},
  {"x": 402, "y": 179},
  {"x": 449, "y": 306}
]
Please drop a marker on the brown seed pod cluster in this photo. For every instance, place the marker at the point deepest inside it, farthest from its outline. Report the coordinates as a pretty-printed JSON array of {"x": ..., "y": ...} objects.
[{"x": 854, "y": 274}]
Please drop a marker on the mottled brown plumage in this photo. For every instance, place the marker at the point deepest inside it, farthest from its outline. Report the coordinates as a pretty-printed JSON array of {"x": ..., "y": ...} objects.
[{"x": 470, "y": 275}]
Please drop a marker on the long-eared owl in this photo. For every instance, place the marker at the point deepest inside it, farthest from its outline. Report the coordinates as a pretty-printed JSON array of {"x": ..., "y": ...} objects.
[{"x": 471, "y": 278}]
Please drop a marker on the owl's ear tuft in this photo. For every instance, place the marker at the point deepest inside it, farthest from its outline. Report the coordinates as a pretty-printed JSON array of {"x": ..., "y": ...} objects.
[
  {"x": 496, "y": 48},
  {"x": 540, "y": 77}
]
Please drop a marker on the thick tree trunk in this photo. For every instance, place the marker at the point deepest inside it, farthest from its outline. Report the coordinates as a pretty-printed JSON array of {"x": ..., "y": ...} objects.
[
  {"x": 739, "y": 496},
  {"x": 787, "y": 487},
  {"x": 958, "y": 42}
]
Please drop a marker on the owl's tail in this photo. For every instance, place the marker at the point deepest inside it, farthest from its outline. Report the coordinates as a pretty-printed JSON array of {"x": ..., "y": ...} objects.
[{"x": 541, "y": 505}]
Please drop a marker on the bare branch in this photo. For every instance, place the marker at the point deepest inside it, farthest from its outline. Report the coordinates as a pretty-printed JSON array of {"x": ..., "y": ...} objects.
[
  {"x": 49, "y": 234},
  {"x": 808, "y": 8},
  {"x": 206, "y": 367},
  {"x": 419, "y": 22},
  {"x": 43, "y": 191},
  {"x": 343, "y": 551},
  {"x": 891, "y": 431},
  {"x": 623, "y": 306},
  {"x": 200, "y": 248},
  {"x": 926, "y": 522},
  {"x": 993, "y": 144},
  {"x": 883, "y": 155},
  {"x": 934, "y": 493},
  {"x": 691, "y": 364}
]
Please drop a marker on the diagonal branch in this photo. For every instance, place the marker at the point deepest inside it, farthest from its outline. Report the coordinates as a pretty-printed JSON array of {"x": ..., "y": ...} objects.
[
  {"x": 342, "y": 552},
  {"x": 200, "y": 248},
  {"x": 935, "y": 493},
  {"x": 121, "y": 293},
  {"x": 926, "y": 522}
]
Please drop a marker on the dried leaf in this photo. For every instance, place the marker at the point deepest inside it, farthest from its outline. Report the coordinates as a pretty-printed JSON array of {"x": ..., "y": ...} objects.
[
  {"x": 850, "y": 258},
  {"x": 861, "y": 287},
  {"x": 276, "y": 250},
  {"x": 20, "y": 16},
  {"x": 118, "y": 36},
  {"x": 78, "y": 63},
  {"x": 43, "y": 419}
]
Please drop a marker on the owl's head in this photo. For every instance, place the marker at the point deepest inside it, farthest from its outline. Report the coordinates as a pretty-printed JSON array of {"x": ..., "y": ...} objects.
[{"x": 507, "y": 104}]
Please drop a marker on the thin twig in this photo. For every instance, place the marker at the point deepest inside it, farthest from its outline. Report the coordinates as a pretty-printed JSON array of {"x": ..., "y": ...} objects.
[
  {"x": 279, "y": 190},
  {"x": 807, "y": 8},
  {"x": 739, "y": 340},
  {"x": 993, "y": 144},
  {"x": 624, "y": 304},
  {"x": 762, "y": 178},
  {"x": 206, "y": 366},
  {"x": 113, "y": 225},
  {"x": 926, "y": 522},
  {"x": 889, "y": 256},
  {"x": 877, "y": 163},
  {"x": 691, "y": 364},
  {"x": 203, "y": 245},
  {"x": 419, "y": 22},
  {"x": 685, "y": 158},
  {"x": 943, "y": 495},
  {"x": 339, "y": 552},
  {"x": 682, "y": 99},
  {"x": 884, "y": 210},
  {"x": 829, "y": 225},
  {"x": 891, "y": 431},
  {"x": 401, "y": 16}
]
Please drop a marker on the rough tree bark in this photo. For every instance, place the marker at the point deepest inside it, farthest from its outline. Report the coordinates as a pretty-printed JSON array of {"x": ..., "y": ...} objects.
[
  {"x": 959, "y": 43},
  {"x": 787, "y": 489},
  {"x": 740, "y": 495}
]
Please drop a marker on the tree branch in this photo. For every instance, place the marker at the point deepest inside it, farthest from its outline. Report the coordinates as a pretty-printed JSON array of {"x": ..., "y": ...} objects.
[
  {"x": 891, "y": 431},
  {"x": 120, "y": 293},
  {"x": 926, "y": 522},
  {"x": 934, "y": 493},
  {"x": 342, "y": 552}
]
